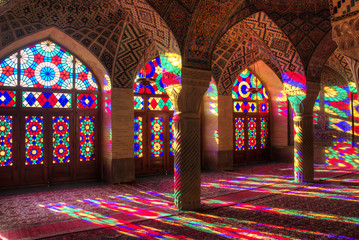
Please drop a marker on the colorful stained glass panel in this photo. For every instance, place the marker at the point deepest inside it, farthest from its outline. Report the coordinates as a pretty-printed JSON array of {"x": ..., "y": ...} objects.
[
  {"x": 7, "y": 98},
  {"x": 88, "y": 101},
  {"x": 34, "y": 140},
  {"x": 84, "y": 79},
  {"x": 156, "y": 137},
  {"x": 6, "y": 141},
  {"x": 264, "y": 132},
  {"x": 172, "y": 136},
  {"x": 46, "y": 65},
  {"x": 245, "y": 107},
  {"x": 138, "y": 137},
  {"x": 252, "y": 134},
  {"x": 264, "y": 107},
  {"x": 153, "y": 70},
  {"x": 60, "y": 139},
  {"x": 8, "y": 71},
  {"x": 87, "y": 138},
  {"x": 160, "y": 104},
  {"x": 138, "y": 103},
  {"x": 239, "y": 134},
  {"x": 243, "y": 84},
  {"x": 46, "y": 100}
]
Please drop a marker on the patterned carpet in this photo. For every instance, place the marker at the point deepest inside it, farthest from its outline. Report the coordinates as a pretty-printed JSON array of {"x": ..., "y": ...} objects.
[{"x": 259, "y": 202}]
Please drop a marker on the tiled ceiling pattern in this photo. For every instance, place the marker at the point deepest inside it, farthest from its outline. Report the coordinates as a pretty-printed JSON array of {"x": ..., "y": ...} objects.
[
  {"x": 277, "y": 41},
  {"x": 320, "y": 56},
  {"x": 233, "y": 52},
  {"x": 152, "y": 23}
]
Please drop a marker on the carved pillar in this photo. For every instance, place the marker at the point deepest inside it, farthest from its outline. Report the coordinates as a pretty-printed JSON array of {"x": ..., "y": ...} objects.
[
  {"x": 303, "y": 148},
  {"x": 187, "y": 99},
  {"x": 303, "y": 135}
]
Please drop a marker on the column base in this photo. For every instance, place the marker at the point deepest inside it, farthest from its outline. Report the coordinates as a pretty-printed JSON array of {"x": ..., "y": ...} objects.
[{"x": 188, "y": 205}]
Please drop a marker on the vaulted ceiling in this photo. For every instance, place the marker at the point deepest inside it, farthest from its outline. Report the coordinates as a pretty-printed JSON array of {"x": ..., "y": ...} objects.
[{"x": 287, "y": 34}]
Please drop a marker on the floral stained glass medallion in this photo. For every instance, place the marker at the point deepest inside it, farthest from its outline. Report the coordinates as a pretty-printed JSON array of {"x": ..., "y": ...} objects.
[
  {"x": 87, "y": 138},
  {"x": 46, "y": 65},
  {"x": 239, "y": 134},
  {"x": 156, "y": 137},
  {"x": 138, "y": 141},
  {"x": 252, "y": 134},
  {"x": 34, "y": 140},
  {"x": 6, "y": 139},
  {"x": 61, "y": 139}
]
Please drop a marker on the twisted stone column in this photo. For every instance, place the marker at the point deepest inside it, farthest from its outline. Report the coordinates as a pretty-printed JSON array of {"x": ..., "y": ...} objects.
[
  {"x": 303, "y": 148},
  {"x": 187, "y": 99}
]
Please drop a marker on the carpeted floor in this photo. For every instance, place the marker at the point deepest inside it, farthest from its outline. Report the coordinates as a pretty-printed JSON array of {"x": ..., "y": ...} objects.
[{"x": 258, "y": 202}]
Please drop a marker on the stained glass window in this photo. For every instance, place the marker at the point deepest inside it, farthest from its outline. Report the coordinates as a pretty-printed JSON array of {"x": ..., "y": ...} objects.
[
  {"x": 239, "y": 133},
  {"x": 138, "y": 137},
  {"x": 34, "y": 140},
  {"x": 61, "y": 139},
  {"x": 138, "y": 103},
  {"x": 172, "y": 136},
  {"x": 46, "y": 100},
  {"x": 46, "y": 65},
  {"x": 6, "y": 141},
  {"x": 84, "y": 80},
  {"x": 87, "y": 101},
  {"x": 244, "y": 83},
  {"x": 264, "y": 132},
  {"x": 245, "y": 107},
  {"x": 264, "y": 107},
  {"x": 156, "y": 137},
  {"x": 7, "y": 98},
  {"x": 160, "y": 104},
  {"x": 8, "y": 71},
  {"x": 252, "y": 134},
  {"x": 87, "y": 138},
  {"x": 153, "y": 70}
]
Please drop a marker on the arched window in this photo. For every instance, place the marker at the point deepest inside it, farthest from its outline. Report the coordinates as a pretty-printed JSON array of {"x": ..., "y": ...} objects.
[
  {"x": 154, "y": 135},
  {"x": 251, "y": 119},
  {"x": 49, "y": 104}
]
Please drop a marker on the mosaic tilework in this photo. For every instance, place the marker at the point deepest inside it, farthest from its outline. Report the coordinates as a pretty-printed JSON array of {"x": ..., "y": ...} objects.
[
  {"x": 129, "y": 53},
  {"x": 342, "y": 9},
  {"x": 154, "y": 25},
  {"x": 277, "y": 41}
]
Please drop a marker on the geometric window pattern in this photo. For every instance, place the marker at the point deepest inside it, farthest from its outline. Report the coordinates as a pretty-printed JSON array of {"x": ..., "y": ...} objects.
[
  {"x": 87, "y": 138},
  {"x": 156, "y": 137},
  {"x": 138, "y": 137},
  {"x": 46, "y": 65},
  {"x": 264, "y": 107},
  {"x": 245, "y": 107},
  {"x": 172, "y": 136},
  {"x": 153, "y": 70},
  {"x": 34, "y": 140},
  {"x": 252, "y": 133},
  {"x": 264, "y": 132},
  {"x": 138, "y": 103},
  {"x": 160, "y": 104},
  {"x": 8, "y": 71},
  {"x": 61, "y": 139},
  {"x": 7, "y": 98},
  {"x": 6, "y": 141},
  {"x": 243, "y": 84},
  {"x": 239, "y": 133},
  {"x": 87, "y": 101},
  {"x": 84, "y": 80},
  {"x": 46, "y": 100}
]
